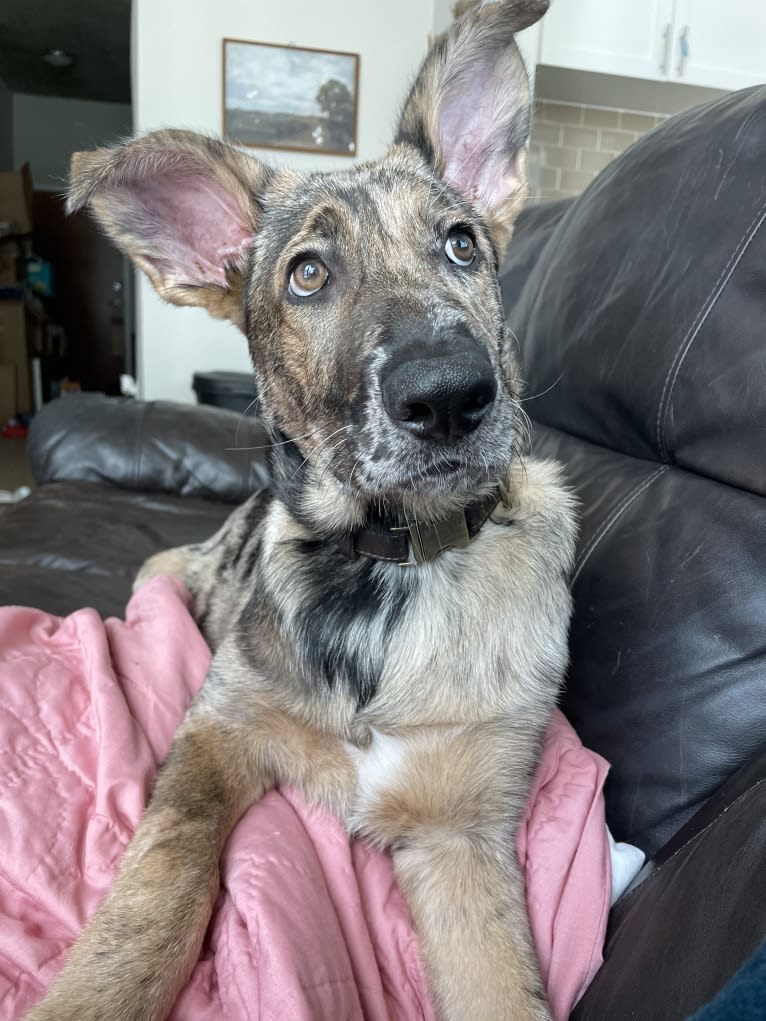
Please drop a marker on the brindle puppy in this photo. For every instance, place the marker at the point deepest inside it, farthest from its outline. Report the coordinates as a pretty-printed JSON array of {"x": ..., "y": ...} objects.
[{"x": 410, "y": 700}]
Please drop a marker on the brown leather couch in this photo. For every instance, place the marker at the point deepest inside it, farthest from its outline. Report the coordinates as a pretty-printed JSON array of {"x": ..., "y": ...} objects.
[{"x": 640, "y": 310}]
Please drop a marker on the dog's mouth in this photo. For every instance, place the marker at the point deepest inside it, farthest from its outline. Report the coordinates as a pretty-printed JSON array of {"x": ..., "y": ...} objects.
[
  {"x": 377, "y": 458},
  {"x": 429, "y": 474}
]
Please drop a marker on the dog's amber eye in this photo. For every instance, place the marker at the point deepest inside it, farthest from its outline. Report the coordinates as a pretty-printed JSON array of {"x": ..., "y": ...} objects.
[
  {"x": 460, "y": 248},
  {"x": 308, "y": 277}
]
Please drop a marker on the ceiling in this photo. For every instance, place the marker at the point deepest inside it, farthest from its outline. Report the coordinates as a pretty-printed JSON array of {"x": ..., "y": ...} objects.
[{"x": 95, "y": 32}]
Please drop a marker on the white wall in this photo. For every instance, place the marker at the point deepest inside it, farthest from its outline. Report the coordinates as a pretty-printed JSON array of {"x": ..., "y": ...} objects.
[
  {"x": 442, "y": 15},
  {"x": 177, "y": 82},
  {"x": 48, "y": 129}
]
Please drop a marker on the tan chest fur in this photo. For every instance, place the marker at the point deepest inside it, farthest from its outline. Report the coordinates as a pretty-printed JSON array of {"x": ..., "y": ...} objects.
[{"x": 484, "y": 630}]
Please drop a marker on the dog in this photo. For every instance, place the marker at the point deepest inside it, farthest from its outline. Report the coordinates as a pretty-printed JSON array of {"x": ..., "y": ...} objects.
[{"x": 389, "y": 620}]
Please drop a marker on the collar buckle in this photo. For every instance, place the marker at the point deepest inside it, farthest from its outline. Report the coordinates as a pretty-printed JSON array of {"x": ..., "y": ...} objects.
[{"x": 428, "y": 540}]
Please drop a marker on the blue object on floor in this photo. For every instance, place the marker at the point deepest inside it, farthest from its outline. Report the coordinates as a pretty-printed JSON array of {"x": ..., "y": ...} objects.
[{"x": 743, "y": 998}]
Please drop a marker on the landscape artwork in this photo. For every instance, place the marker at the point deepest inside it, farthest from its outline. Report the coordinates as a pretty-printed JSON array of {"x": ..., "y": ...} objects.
[{"x": 290, "y": 97}]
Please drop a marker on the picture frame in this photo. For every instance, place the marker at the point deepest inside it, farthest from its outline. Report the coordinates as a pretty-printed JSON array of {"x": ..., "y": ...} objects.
[{"x": 292, "y": 98}]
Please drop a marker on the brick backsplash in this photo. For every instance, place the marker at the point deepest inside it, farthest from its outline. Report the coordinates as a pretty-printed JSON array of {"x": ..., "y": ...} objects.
[{"x": 571, "y": 144}]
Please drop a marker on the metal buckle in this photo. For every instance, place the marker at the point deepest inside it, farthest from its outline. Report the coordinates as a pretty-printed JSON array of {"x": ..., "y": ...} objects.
[{"x": 427, "y": 541}]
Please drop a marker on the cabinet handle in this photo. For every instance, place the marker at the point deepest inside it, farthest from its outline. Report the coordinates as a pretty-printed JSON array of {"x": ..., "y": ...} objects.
[
  {"x": 667, "y": 35},
  {"x": 684, "y": 45}
]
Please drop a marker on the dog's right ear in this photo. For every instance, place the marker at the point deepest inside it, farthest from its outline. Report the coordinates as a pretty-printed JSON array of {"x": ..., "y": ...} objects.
[
  {"x": 468, "y": 111},
  {"x": 184, "y": 207}
]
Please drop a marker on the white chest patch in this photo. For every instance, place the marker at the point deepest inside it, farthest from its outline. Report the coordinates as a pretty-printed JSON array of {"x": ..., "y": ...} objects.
[{"x": 378, "y": 768}]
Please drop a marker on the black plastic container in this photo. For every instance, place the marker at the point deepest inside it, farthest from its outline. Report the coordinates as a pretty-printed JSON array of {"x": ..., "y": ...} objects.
[{"x": 232, "y": 390}]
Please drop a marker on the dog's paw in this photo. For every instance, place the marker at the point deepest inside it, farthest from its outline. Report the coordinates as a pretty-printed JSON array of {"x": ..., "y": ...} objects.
[{"x": 171, "y": 561}]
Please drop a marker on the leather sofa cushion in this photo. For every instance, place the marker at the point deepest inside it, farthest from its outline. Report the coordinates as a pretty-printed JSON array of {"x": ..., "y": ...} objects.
[
  {"x": 644, "y": 321},
  {"x": 667, "y": 654},
  {"x": 149, "y": 446},
  {"x": 75, "y": 544},
  {"x": 640, "y": 309}
]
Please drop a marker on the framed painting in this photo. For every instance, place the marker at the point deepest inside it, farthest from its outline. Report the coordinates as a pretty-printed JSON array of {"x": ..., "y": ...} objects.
[{"x": 290, "y": 97}]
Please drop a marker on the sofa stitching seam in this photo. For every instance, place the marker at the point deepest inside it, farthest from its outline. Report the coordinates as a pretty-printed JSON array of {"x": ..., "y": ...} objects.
[
  {"x": 612, "y": 519},
  {"x": 705, "y": 309}
]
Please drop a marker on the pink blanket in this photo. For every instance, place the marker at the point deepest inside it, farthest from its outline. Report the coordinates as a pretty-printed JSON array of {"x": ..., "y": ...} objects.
[{"x": 308, "y": 925}]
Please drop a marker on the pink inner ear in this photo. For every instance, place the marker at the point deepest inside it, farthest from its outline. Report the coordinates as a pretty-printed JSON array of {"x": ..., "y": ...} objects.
[
  {"x": 486, "y": 179},
  {"x": 193, "y": 225},
  {"x": 475, "y": 131}
]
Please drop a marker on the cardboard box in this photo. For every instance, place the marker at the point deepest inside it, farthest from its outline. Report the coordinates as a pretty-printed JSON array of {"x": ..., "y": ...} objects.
[
  {"x": 9, "y": 262},
  {"x": 16, "y": 199},
  {"x": 7, "y": 392},
  {"x": 13, "y": 350}
]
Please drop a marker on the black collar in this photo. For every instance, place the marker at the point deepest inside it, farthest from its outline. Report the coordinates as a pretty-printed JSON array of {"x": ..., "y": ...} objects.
[{"x": 419, "y": 543}]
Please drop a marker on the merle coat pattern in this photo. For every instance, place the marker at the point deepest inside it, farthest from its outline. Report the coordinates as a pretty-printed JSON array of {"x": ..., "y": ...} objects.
[{"x": 410, "y": 700}]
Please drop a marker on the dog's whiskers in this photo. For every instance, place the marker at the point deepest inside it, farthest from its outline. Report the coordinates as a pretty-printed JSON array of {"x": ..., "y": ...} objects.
[
  {"x": 327, "y": 457},
  {"x": 281, "y": 443},
  {"x": 523, "y": 400},
  {"x": 318, "y": 452},
  {"x": 514, "y": 337},
  {"x": 242, "y": 417}
]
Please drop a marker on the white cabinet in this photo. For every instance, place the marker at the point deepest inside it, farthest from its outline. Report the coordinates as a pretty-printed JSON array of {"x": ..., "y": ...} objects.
[
  {"x": 725, "y": 43},
  {"x": 626, "y": 37}
]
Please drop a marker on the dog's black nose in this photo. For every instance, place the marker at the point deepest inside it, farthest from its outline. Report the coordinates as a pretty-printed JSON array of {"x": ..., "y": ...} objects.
[{"x": 440, "y": 398}]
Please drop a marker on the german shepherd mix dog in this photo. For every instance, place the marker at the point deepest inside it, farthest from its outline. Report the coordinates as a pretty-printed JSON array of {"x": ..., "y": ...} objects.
[{"x": 389, "y": 621}]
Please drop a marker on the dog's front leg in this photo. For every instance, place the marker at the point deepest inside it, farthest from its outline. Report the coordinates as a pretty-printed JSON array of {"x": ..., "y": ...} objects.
[
  {"x": 447, "y": 800},
  {"x": 134, "y": 956},
  {"x": 467, "y": 902}
]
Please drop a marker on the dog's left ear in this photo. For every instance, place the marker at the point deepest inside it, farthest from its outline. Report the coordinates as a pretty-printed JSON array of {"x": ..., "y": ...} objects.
[
  {"x": 468, "y": 111},
  {"x": 185, "y": 207}
]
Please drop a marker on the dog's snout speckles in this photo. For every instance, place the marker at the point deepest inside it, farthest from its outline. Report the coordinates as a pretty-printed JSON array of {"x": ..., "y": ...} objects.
[{"x": 438, "y": 413}]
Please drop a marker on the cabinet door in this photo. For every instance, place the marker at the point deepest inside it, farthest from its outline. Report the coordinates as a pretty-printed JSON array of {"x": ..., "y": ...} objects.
[
  {"x": 726, "y": 43},
  {"x": 626, "y": 37}
]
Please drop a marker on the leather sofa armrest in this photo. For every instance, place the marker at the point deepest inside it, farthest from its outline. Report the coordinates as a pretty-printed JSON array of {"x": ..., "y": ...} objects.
[
  {"x": 695, "y": 914},
  {"x": 149, "y": 446}
]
